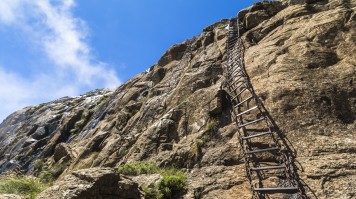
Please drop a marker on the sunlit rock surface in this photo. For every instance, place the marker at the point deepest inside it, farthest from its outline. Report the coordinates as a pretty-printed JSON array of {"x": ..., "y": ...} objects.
[{"x": 300, "y": 56}]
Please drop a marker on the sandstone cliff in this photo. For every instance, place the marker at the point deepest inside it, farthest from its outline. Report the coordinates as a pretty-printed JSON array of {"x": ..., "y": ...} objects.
[{"x": 300, "y": 57}]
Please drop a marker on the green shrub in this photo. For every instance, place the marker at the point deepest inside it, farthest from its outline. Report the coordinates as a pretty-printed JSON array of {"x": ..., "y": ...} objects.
[
  {"x": 168, "y": 171},
  {"x": 198, "y": 193},
  {"x": 139, "y": 168},
  {"x": 172, "y": 185},
  {"x": 38, "y": 165},
  {"x": 213, "y": 126},
  {"x": 102, "y": 99},
  {"x": 28, "y": 187},
  {"x": 49, "y": 175},
  {"x": 46, "y": 176},
  {"x": 83, "y": 121},
  {"x": 195, "y": 151},
  {"x": 123, "y": 151},
  {"x": 152, "y": 193},
  {"x": 109, "y": 126}
]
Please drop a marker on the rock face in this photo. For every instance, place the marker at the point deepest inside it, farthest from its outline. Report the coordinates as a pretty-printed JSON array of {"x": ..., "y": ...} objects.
[
  {"x": 94, "y": 183},
  {"x": 302, "y": 65},
  {"x": 35, "y": 132},
  {"x": 300, "y": 56},
  {"x": 10, "y": 196}
]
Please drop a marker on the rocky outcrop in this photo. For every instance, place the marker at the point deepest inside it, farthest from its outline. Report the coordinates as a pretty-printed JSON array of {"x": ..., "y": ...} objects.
[
  {"x": 35, "y": 132},
  {"x": 300, "y": 59},
  {"x": 94, "y": 183},
  {"x": 10, "y": 196},
  {"x": 62, "y": 152}
]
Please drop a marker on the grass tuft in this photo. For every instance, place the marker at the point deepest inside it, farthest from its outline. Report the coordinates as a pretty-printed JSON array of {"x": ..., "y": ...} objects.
[
  {"x": 138, "y": 168},
  {"x": 171, "y": 185},
  {"x": 28, "y": 187},
  {"x": 213, "y": 126}
]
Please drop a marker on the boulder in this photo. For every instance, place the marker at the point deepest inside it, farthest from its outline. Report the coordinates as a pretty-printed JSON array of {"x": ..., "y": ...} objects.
[
  {"x": 93, "y": 183},
  {"x": 294, "y": 2},
  {"x": 157, "y": 75},
  {"x": 62, "y": 150},
  {"x": 175, "y": 52},
  {"x": 216, "y": 106},
  {"x": 258, "y": 13},
  {"x": 40, "y": 133},
  {"x": 254, "y": 18},
  {"x": 208, "y": 38}
]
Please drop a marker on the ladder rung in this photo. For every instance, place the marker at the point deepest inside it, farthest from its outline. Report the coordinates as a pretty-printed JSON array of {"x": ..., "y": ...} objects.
[
  {"x": 252, "y": 122},
  {"x": 243, "y": 90},
  {"x": 231, "y": 65},
  {"x": 262, "y": 150},
  {"x": 231, "y": 46},
  {"x": 233, "y": 51},
  {"x": 236, "y": 80},
  {"x": 246, "y": 111},
  {"x": 243, "y": 101},
  {"x": 239, "y": 84},
  {"x": 277, "y": 190},
  {"x": 256, "y": 135},
  {"x": 232, "y": 61},
  {"x": 282, "y": 166},
  {"x": 234, "y": 67},
  {"x": 233, "y": 77},
  {"x": 240, "y": 71}
]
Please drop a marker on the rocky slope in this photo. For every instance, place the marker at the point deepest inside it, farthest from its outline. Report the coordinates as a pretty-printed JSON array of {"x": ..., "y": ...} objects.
[{"x": 300, "y": 57}]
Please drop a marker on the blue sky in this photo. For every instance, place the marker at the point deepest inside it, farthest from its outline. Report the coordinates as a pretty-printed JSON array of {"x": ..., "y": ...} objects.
[{"x": 55, "y": 48}]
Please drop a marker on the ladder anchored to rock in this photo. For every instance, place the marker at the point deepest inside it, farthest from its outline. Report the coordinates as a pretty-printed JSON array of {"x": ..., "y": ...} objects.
[{"x": 267, "y": 165}]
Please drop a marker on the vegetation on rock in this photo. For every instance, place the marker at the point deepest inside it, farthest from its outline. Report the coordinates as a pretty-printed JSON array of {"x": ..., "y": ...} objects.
[
  {"x": 26, "y": 186},
  {"x": 138, "y": 168},
  {"x": 172, "y": 183}
]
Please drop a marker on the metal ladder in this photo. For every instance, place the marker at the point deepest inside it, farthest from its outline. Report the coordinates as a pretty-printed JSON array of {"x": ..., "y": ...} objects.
[{"x": 268, "y": 167}]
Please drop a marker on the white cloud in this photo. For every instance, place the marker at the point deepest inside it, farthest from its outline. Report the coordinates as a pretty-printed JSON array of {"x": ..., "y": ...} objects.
[
  {"x": 17, "y": 92},
  {"x": 7, "y": 8},
  {"x": 51, "y": 27}
]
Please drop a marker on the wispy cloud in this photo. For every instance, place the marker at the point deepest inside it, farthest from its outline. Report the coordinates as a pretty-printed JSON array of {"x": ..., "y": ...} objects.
[
  {"x": 7, "y": 8},
  {"x": 52, "y": 28}
]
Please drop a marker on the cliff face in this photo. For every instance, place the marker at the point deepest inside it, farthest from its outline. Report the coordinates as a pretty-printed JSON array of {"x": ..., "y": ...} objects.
[
  {"x": 302, "y": 64},
  {"x": 300, "y": 57}
]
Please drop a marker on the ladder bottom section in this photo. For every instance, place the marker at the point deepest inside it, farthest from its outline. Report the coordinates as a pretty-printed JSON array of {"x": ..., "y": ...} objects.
[
  {"x": 268, "y": 168},
  {"x": 262, "y": 150},
  {"x": 256, "y": 135},
  {"x": 277, "y": 190}
]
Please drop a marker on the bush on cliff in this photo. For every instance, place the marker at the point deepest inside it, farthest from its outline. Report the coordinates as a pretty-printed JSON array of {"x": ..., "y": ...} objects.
[
  {"x": 28, "y": 187},
  {"x": 171, "y": 185}
]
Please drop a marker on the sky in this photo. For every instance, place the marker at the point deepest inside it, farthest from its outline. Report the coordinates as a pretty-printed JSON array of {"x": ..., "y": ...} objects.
[{"x": 55, "y": 48}]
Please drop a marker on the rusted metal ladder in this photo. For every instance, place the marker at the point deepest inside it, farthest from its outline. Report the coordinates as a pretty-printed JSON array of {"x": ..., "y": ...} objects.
[{"x": 267, "y": 165}]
